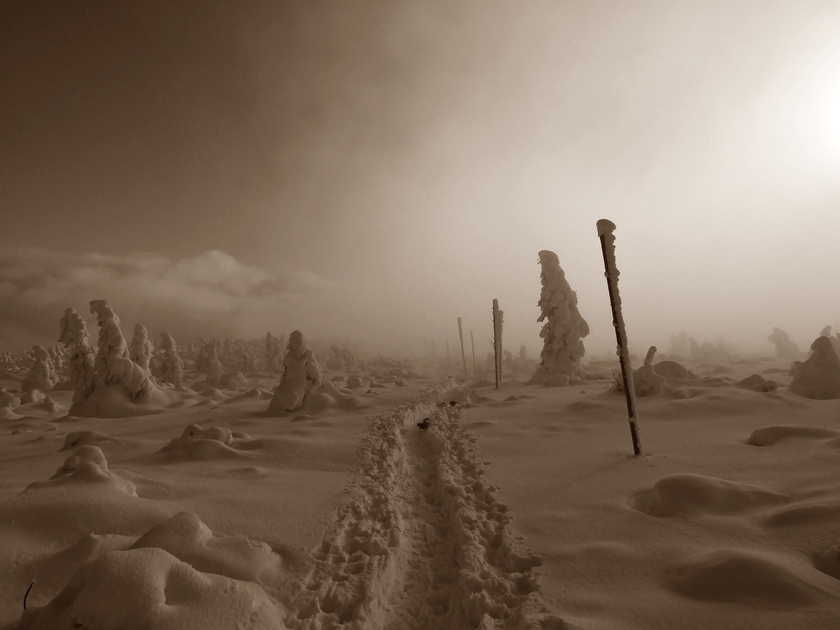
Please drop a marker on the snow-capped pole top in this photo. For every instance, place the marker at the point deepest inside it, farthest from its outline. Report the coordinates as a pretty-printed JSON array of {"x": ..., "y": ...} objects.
[{"x": 605, "y": 227}]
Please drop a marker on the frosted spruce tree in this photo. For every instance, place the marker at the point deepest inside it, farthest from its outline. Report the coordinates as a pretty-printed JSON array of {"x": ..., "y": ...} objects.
[
  {"x": 785, "y": 347},
  {"x": 564, "y": 327},
  {"x": 142, "y": 348},
  {"x": 112, "y": 364},
  {"x": 42, "y": 375},
  {"x": 74, "y": 336},
  {"x": 171, "y": 367},
  {"x": 273, "y": 351},
  {"x": 818, "y": 377},
  {"x": 301, "y": 374}
]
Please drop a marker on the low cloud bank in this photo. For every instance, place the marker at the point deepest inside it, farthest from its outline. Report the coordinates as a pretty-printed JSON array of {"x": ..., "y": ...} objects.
[{"x": 208, "y": 295}]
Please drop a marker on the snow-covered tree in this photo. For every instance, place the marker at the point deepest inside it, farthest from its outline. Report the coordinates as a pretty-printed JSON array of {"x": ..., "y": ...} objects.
[
  {"x": 42, "y": 375},
  {"x": 564, "y": 327},
  {"x": 819, "y": 376},
  {"x": 273, "y": 351},
  {"x": 785, "y": 348},
  {"x": 112, "y": 364},
  {"x": 301, "y": 374},
  {"x": 171, "y": 367},
  {"x": 74, "y": 336},
  {"x": 141, "y": 347}
]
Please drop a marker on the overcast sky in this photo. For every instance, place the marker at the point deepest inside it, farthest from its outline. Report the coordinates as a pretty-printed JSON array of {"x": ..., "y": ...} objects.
[{"x": 372, "y": 170}]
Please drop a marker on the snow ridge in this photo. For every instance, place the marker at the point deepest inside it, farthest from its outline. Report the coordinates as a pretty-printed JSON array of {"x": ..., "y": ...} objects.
[{"x": 422, "y": 543}]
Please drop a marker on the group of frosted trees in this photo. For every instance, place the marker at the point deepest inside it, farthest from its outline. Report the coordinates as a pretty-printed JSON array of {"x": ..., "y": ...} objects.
[
  {"x": 114, "y": 361},
  {"x": 564, "y": 329}
]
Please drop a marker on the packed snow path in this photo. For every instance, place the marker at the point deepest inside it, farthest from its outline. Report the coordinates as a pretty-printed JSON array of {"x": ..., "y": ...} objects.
[{"x": 422, "y": 543}]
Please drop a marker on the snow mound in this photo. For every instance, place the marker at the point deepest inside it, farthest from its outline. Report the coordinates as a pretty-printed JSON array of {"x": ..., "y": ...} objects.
[
  {"x": 197, "y": 444},
  {"x": 32, "y": 396},
  {"x": 7, "y": 402},
  {"x": 191, "y": 541},
  {"x": 829, "y": 561},
  {"x": 210, "y": 392},
  {"x": 55, "y": 571},
  {"x": 84, "y": 438},
  {"x": 805, "y": 515},
  {"x": 7, "y": 413},
  {"x": 752, "y": 577},
  {"x": 685, "y": 494},
  {"x": 151, "y": 588},
  {"x": 50, "y": 406},
  {"x": 758, "y": 383},
  {"x": 86, "y": 466},
  {"x": 767, "y": 436},
  {"x": 251, "y": 394},
  {"x": 673, "y": 371},
  {"x": 114, "y": 401}
]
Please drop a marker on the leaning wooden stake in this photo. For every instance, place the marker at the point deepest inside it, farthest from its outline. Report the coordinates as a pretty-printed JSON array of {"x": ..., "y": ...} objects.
[
  {"x": 463, "y": 355},
  {"x": 472, "y": 341},
  {"x": 498, "y": 316},
  {"x": 605, "y": 233}
]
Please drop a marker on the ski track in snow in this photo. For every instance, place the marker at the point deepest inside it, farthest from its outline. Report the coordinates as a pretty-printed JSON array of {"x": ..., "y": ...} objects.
[{"x": 422, "y": 543}]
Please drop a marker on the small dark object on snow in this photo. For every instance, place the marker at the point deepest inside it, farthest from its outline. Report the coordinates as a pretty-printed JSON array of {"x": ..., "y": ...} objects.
[
  {"x": 27, "y": 594},
  {"x": 423, "y": 425},
  {"x": 455, "y": 403}
]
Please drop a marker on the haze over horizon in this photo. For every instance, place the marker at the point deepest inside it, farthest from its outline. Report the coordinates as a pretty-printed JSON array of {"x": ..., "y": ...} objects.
[{"x": 372, "y": 171}]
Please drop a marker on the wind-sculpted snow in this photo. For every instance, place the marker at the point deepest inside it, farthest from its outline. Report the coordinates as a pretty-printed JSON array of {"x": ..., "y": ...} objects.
[
  {"x": 86, "y": 466},
  {"x": 151, "y": 588},
  {"x": 422, "y": 543}
]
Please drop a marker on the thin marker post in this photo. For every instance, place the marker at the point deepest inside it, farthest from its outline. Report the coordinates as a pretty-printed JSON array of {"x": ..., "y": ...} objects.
[
  {"x": 463, "y": 355},
  {"x": 605, "y": 233}
]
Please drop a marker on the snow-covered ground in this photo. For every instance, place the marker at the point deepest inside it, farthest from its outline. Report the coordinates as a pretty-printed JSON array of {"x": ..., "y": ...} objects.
[{"x": 514, "y": 508}]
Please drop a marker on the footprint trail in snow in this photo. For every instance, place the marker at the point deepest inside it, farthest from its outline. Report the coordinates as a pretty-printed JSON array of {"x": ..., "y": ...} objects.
[{"x": 422, "y": 543}]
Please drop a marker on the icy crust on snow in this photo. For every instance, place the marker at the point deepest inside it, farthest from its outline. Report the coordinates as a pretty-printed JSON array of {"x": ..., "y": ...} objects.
[{"x": 422, "y": 543}]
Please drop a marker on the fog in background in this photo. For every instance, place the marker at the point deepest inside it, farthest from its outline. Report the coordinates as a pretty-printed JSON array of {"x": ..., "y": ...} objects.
[{"x": 371, "y": 171}]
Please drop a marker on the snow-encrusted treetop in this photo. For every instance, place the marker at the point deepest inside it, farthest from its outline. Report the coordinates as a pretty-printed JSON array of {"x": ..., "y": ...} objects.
[{"x": 605, "y": 227}]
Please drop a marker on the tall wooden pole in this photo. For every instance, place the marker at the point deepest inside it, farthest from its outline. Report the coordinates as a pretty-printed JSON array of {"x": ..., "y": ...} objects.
[
  {"x": 472, "y": 341},
  {"x": 463, "y": 355},
  {"x": 497, "y": 341},
  {"x": 605, "y": 233}
]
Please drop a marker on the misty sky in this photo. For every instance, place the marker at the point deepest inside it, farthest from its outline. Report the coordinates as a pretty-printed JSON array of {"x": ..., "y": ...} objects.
[{"x": 372, "y": 170}]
